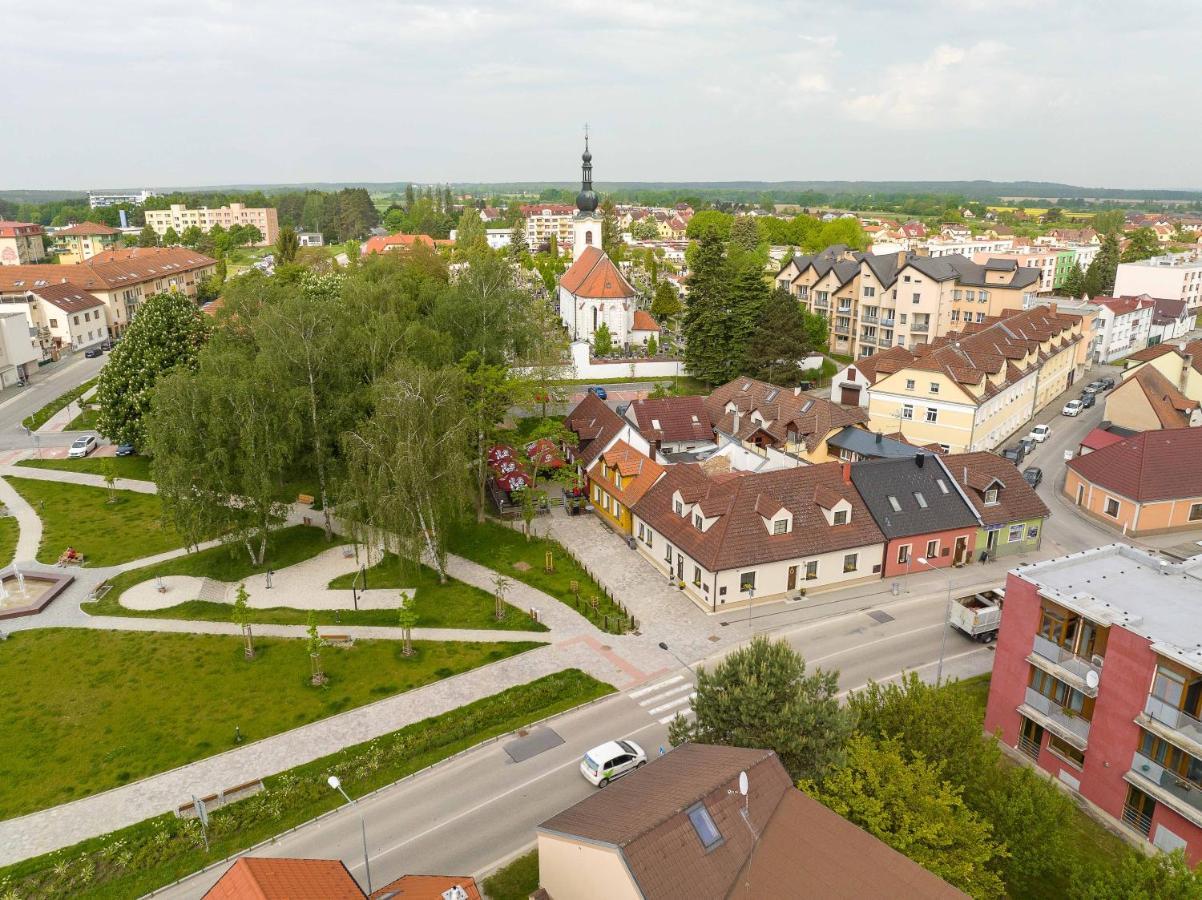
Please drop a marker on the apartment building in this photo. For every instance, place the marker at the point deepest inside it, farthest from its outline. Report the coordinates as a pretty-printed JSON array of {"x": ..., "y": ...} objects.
[
  {"x": 964, "y": 246},
  {"x": 546, "y": 219},
  {"x": 1097, "y": 680},
  {"x": 60, "y": 317},
  {"x": 970, "y": 389},
  {"x": 1174, "y": 276},
  {"x": 1123, "y": 326},
  {"x": 181, "y": 218},
  {"x": 121, "y": 279},
  {"x": 21, "y": 243},
  {"x": 81, "y": 242},
  {"x": 101, "y": 200},
  {"x": 18, "y": 351}
]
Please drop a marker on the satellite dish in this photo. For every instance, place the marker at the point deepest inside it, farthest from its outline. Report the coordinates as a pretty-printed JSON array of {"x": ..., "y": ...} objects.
[
  {"x": 1091, "y": 679},
  {"x": 743, "y": 783}
]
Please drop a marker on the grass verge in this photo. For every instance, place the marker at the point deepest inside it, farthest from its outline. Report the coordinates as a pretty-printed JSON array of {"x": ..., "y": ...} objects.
[
  {"x": 133, "y": 468},
  {"x": 508, "y": 552},
  {"x": 100, "y": 709},
  {"x": 38, "y": 419},
  {"x": 516, "y": 881},
  {"x": 85, "y": 421},
  {"x": 106, "y": 533},
  {"x": 158, "y": 851},
  {"x": 10, "y": 533}
]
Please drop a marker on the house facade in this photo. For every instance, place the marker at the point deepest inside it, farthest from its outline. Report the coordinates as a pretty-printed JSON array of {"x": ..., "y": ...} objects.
[
  {"x": 83, "y": 241},
  {"x": 1124, "y": 325},
  {"x": 181, "y": 218},
  {"x": 618, "y": 479},
  {"x": 1173, "y": 276},
  {"x": 1010, "y": 511},
  {"x": 1145, "y": 400},
  {"x": 21, "y": 243},
  {"x": 673, "y": 424}
]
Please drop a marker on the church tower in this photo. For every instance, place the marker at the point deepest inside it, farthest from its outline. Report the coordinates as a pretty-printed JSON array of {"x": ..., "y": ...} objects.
[{"x": 586, "y": 225}]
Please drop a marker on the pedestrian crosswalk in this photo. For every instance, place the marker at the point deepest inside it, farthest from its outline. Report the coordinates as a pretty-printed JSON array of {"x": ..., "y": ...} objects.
[{"x": 667, "y": 699}]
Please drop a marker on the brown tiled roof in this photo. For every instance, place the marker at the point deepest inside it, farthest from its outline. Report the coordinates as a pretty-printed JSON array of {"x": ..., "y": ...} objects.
[
  {"x": 1192, "y": 349},
  {"x": 1122, "y": 306},
  {"x": 426, "y": 887},
  {"x": 679, "y": 418},
  {"x": 1017, "y": 500},
  {"x": 1171, "y": 407},
  {"x": 1153, "y": 352},
  {"x": 264, "y": 878},
  {"x": 631, "y": 464},
  {"x": 109, "y": 270},
  {"x": 595, "y": 424},
  {"x": 643, "y": 321},
  {"x": 21, "y": 229},
  {"x": 739, "y": 537},
  {"x": 595, "y": 276},
  {"x": 1151, "y": 465},
  {"x": 67, "y": 297},
  {"x": 87, "y": 228},
  {"x": 782, "y": 409},
  {"x": 1099, "y": 438}
]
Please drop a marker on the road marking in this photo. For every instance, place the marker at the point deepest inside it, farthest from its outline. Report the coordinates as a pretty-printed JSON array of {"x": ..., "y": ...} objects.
[
  {"x": 896, "y": 675},
  {"x": 682, "y": 713},
  {"x": 861, "y": 646},
  {"x": 679, "y": 700},
  {"x": 655, "y": 687},
  {"x": 655, "y": 698}
]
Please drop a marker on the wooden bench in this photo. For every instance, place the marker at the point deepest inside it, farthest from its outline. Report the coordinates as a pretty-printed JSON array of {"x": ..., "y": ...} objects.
[
  {"x": 338, "y": 640},
  {"x": 306, "y": 499}
]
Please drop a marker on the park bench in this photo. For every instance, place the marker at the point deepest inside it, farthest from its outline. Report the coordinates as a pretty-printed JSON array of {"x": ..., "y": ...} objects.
[
  {"x": 306, "y": 499},
  {"x": 71, "y": 558},
  {"x": 338, "y": 640}
]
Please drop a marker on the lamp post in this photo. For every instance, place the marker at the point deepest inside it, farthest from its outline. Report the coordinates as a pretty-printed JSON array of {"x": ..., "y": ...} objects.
[
  {"x": 664, "y": 646},
  {"x": 337, "y": 785},
  {"x": 947, "y": 614},
  {"x": 750, "y": 601}
]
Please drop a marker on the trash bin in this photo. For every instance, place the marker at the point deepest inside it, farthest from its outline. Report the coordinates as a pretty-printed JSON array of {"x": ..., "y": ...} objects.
[{"x": 895, "y": 588}]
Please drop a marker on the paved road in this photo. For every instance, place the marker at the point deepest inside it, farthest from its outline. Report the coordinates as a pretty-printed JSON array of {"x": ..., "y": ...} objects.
[{"x": 46, "y": 384}]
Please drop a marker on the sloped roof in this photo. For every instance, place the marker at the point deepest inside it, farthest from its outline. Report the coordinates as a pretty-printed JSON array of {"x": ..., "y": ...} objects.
[
  {"x": 381, "y": 243},
  {"x": 1154, "y": 352},
  {"x": 1125, "y": 305},
  {"x": 782, "y": 409},
  {"x": 643, "y": 321},
  {"x": 642, "y": 471},
  {"x": 87, "y": 228},
  {"x": 971, "y": 274},
  {"x": 672, "y": 419},
  {"x": 265, "y": 878},
  {"x": 594, "y": 276},
  {"x": 595, "y": 424},
  {"x": 109, "y": 270},
  {"x": 426, "y": 887},
  {"x": 878, "y": 480},
  {"x": 67, "y": 297},
  {"x": 1100, "y": 437},
  {"x": 1150, "y": 465},
  {"x": 1016, "y": 500},
  {"x": 1171, "y": 407},
  {"x": 870, "y": 445}
]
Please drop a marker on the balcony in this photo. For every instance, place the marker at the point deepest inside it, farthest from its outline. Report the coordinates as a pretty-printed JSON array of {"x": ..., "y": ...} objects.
[
  {"x": 1065, "y": 665},
  {"x": 821, "y": 304},
  {"x": 888, "y": 323},
  {"x": 1068, "y": 727},
  {"x": 869, "y": 318},
  {"x": 1181, "y": 796},
  {"x": 1184, "y": 728},
  {"x": 842, "y": 329},
  {"x": 920, "y": 327},
  {"x": 846, "y": 310}
]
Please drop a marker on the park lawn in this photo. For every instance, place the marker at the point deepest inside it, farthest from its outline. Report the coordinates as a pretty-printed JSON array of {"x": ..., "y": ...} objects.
[
  {"x": 455, "y": 604},
  {"x": 82, "y": 517},
  {"x": 156, "y": 852},
  {"x": 133, "y": 468},
  {"x": 85, "y": 421},
  {"x": 10, "y": 532},
  {"x": 99, "y": 709},
  {"x": 515, "y": 881},
  {"x": 38, "y": 419},
  {"x": 507, "y": 551}
]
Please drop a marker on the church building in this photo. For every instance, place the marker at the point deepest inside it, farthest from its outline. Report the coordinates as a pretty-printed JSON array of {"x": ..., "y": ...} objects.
[{"x": 593, "y": 290}]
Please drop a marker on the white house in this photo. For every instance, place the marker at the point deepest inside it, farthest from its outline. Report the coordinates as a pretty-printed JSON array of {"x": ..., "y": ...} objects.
[{"x": 1123, "y": 325}]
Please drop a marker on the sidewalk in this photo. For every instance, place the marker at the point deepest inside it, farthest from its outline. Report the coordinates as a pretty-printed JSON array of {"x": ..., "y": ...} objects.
[
  {"x": 27, "y": 520},
  {"x": 86, "y": 479},
  {"x": 61, "y": 419}
]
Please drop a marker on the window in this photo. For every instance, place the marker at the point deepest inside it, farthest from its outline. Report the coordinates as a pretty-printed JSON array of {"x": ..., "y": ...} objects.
[
  {"x": 957, "y": 294},
  {"x": 903, "y": 318},
  {"x": 650, "y": 537},
  {"x": 697, "y": 521},
  {"x": 596, "y": 494},
  {"x": 922, "y": 501},
  {"x": 991, "y": 497},
  {"x": 942, "y": 486},
  {"x": 812, "y": 570},
  {"x": 640, "y": 531},
  {"x": 668, "y": 555},
  {"x": 678, "y": 508},
  {"x": 54, "y": 323},
  {"x": 980, "y": 318},
  {"x": 955, "y": 315},
  {"x": 1183, "y": 765},
  {"x": 869, "y": 292},
  {"x": 934, "y": 387},
  {"x": 703, "y": 824},
  {"x": 1016, "y": 534},
  {"x": 1195, "y": 512},
  {"x": 747, "y": 581},
  {"x": 1067, "y": 751},
  {"x": 1032, "y": 532},
  {"x": 893, "y": 504},
  {"x": 982, "y": 296},
  {"x": 932, "y": 549},
  {"x": 850, "y": 561},
  {"x": 909, "y": 384},
  {"x": 617, "y": 510},
  {"x": 840, "y": 517},
  {"x": 932, "y": 414},
  {"x": 1112, "y": 507},
  {"x": 907, "y": 411},
  {"x": 1168, "y": 686},
  {"x": 1058, "y": 692},
  {"x": 780, "y": 526},
  {"x": 917, "y": 297},
  {"x": 697, "y": 575},
  {"x": 970, "y": 295},
  {"x": 77, "y": 320}
]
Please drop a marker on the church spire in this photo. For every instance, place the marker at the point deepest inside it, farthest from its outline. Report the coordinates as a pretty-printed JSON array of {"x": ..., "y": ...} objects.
[{"x": 586, "y": 200}]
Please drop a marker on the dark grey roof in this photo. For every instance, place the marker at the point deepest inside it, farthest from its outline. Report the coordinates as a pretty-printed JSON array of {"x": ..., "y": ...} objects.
[
  {"x": 884, "y": 266},
  {"x": 870, "y": 445},
  {"x": 879, "y": 479},
  {"x": 1001, "y": 265},
  {"x": 971, "y": 274}
]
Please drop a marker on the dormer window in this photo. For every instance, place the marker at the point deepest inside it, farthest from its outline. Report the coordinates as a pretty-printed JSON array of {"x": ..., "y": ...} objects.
[
  {"x": 991, "y": 497},
  {"x": 780, "y": 526},
  {"x": 839, "y": 517},
  {"x": 942, "y": 485},
  {"x": 678, "y": 508},
  {"x": 697, "y": 521}
]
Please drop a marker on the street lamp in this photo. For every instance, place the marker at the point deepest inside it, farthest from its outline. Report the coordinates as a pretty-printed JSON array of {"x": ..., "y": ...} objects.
[
  {"x": 333, "y": 782},
  {"x": 947, "y": 614},
  {"x": 664, "y": 646},
  {"x": 750, "y": 601}
]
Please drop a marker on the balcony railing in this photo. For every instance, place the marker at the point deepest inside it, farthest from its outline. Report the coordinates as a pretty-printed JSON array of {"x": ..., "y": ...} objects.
[
  {"x": 869, "y": 318},
  {"x": 843, "y": 330},
  {"x": 1071, "y": 723},
  {"x": 1167, "y": 714},
  {"x": 844, "y": 309},
  {"x": 1078, "y": 666},
  {"x": 888, "y": 323},
  {"x": 1170, "y": 782},
  {"x": 821, "y": 304},
  {"x": 920, "y": 327},
  {"x": 1137, "y": 820},
  {"x": 1028, "y": 746}
]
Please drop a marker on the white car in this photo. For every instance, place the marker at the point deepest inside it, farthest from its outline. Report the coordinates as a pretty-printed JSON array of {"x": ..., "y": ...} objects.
[
  {"x": 611, "y": 760},
  {"x": 82, "y": 447},
  {"x": 1072, "y": 408},
  {"x": 1040, "y": 433}
]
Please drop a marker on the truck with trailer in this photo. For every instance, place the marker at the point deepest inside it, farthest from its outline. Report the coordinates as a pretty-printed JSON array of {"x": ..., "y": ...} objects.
[{"x": 979, "y": 615}]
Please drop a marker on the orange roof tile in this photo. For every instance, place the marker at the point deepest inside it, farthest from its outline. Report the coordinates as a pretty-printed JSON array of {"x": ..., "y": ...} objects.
[
  {"x": 84, "y": 228},
  {"x": 264, "y": 878},
  {"x": 595, "y": 276},
  {"x": 427, "y": 887},
  {"x": 644, "y": 322},
  {"x": 630, "y": 463}
]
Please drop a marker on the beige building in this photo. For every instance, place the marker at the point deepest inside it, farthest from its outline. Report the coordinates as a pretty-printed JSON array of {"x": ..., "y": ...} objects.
[
  {"x": 60, "y": 317},
  {"x": 970, "y": 389},
  {"x": 1181, "y": 364},
  {"x": 546, "y": 219},
  {"x": 83, "y": 241},
  {"x": 181, "y": 218},
  {"x": 21, "y": 243},
  {"x": 121, "y": 279}
]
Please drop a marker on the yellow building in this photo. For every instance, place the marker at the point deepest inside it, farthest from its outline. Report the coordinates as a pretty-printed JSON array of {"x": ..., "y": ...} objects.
[
  {"x": 617, "y": 481},
  {"x": 180, "y": 218},
  {"x": 85, "y": 240},
  {"x": 972, "y": 389}
]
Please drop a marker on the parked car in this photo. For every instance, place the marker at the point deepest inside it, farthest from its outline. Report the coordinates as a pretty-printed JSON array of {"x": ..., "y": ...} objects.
[
  {"x": 1088, "y": 401},
  {"x": 93, "y": 352},
  {"x": 106, "y": 345},
  {"x": 1072, "y": 408},
  {"x": 599, "y": 391},
  {"x": 1033, "y": 475},
  {"x": 611, "y": 760},
  {"x": 82, "y": 447},
  {"x": 1094, "y": 387},
  {"x": 1040, "y": 433},
  {"x": 1027, "y": 444},
  {"x": 125, "y": 449},
  {"x": 1016, "y": 454},
  {"x": 1107, "y": 382}
]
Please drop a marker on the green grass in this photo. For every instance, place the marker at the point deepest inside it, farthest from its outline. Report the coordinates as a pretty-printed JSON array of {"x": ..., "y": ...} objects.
[
  {"x": 516, "y": 881},
  {"x": 455, "y": 604},
  {"x": 156, "y": 852},
  {"x": 85, "y": 421},
  {"x": 508, "y": 552},
  {"x": 10, "y": 532},
  {"x": 99, "y": 709},
  {"x": 977, "y": 689},
  {"x": 134, "y": 468},
  {"x": 105, "y": 533},
  {"x": 38, "y": 419}
]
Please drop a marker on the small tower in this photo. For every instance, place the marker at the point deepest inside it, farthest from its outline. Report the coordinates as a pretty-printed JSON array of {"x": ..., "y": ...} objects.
[{"x": 586, "y": 225}]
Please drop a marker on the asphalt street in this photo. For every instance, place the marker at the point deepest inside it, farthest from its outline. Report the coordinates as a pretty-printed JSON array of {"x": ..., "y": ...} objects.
[{"x": 45, "y": 385}]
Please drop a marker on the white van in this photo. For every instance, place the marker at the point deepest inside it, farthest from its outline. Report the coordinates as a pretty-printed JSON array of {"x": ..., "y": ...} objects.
[{"x": 611, "y": 760}]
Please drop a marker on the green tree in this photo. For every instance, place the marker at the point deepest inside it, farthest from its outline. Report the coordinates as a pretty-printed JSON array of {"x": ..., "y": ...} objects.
[
  {"x": 1141, "y": 244},
  {"x": 666, "y": 303},
  {"x": 242, "y": 618},
  {"x": 191, "y": 236},
  {"x": 519, "y": 249},
  {"x": 904, "y": 803},
  {"x": 500, "y": 586},
  {"x": 147, "y": 237},
  {"x": 317, "y": 675},
  {"x": 603, "y": 342},
  {"x": 707, "y": 344},
  {"x": 1074, "y": 281},
  {"x": 1166, "y": 876},
  {"x": 470, "y": 237},
  {"x": 779, "y": 342},
  {"x": 553, "y": 246},
  {"x": 1108, "y": 221},
  {"x": 744, "y": 233},
  {"x": 1099, "y": 277},
  {"x": 749, "y": 292},
  {"x": 611, "y": 234},
  {"x": 644, "y": 229},
  {"x": 108, "y": 471},
  {"x": 407, "y": 620},
  {"x": 652, "y": 345},
  {"x": 167, "y": 334},
  {"x": 762, "y": 696},
  {"x": 709, "y": 222},
  {"x": 286, "y": 246},
  {"x": 489, "y": 391},
  {"x": 170, "y": 237}
]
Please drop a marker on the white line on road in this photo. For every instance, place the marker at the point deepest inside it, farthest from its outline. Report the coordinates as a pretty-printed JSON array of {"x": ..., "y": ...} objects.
[
  {"x": 888, "y": 637},
  {"x": 679, "y": 700},
  {"x": 655, "y": 698},
  {"x": 683, "y": 713},
  {"x": 897, "y": 675},
  {"x": 655, "y": 687}
]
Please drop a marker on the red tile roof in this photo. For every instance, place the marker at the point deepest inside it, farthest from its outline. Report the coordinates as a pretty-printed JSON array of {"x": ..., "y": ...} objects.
[
  {"x": 19, "y": 229},
  {"x": 427, "y": 887},
  {"x": 644, "y": 322},
  {"x": 1016, "y": 500},
  {"x": 1171, "y": 407},
  {"x": 1122, "y": 306},
  {"x": 631, "y": 464},
  {"x": 87, "y": 228},
  {"x": 1153, "y": 352},
  {"x": 672, "y": 419},
  {"x": 264, "y": 878},
  {"x": 109, "y": 270},
  {"x": 783, "y": 410},
  {"x": 67, "y": 297},
  {"x": 595, "y": 424},
  {"x": 381, "y": 243},
  {"x": 1152, "y": 465},
  {"x": 595, "y": 276},
  {"x": 1099, "y": 438}
]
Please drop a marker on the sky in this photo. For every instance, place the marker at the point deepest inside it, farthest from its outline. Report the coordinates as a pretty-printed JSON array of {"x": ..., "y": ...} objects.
[{"x": 146, "y": 93}]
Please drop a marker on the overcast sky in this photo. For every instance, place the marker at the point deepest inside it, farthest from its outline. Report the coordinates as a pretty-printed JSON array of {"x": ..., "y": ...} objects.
[{"x": 152, "y": 93}]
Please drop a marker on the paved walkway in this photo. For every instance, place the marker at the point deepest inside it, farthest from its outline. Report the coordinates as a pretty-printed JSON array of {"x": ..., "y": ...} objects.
[
  {"x": 86, "y": 479},
  {"x": 27, "y": 520},
  {"x": 61, "y": 419}
]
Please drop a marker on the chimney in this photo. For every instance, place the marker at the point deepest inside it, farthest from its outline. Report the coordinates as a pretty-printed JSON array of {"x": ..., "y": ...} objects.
[
  {"x": 847, "y": 473},
  {"x": 966, "y": 474},
  {"x": 880, "y": 438},
  {"x": 1187, "y": 362},
  {"x": 1052, "y": 307},
  {"x": 737, "y": 417},
  {"x": 919, "y": 459}
]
